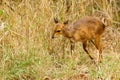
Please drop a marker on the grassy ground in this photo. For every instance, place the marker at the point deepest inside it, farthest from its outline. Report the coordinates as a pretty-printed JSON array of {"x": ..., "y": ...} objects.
[{"x": 27, "y": 51}]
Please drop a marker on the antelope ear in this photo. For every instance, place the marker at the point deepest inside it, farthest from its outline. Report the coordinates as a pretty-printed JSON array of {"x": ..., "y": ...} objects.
[
  {"x": 55, "y": 20},
  {"x": 66, "y": 22}
]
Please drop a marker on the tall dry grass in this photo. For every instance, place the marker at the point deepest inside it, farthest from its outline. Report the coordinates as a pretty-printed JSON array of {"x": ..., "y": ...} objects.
[{"x": 27, "y": 51}]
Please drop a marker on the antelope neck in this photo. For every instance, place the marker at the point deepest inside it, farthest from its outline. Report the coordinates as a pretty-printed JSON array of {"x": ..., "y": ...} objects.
[{"x": 67, "y": 32}]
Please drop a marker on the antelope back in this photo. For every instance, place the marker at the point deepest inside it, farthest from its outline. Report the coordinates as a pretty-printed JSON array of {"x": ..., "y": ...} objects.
[{"x": 87, "y": 28}]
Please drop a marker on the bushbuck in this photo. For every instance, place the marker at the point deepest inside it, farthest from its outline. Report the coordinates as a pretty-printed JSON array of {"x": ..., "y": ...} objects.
[{"x": 88, "y": 28}]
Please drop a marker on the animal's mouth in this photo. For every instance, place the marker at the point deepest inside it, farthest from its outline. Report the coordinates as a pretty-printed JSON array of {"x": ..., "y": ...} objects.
[{"x": 53, "y": 36}]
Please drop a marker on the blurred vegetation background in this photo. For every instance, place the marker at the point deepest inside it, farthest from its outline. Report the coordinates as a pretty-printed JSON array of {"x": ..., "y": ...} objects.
[{"x": 27, "y": 51}]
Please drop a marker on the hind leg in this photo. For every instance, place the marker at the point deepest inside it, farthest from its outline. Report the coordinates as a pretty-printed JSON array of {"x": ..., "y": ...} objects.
[
  {"x": 84, "y": 47},
  {"x": 98, "y": 46},
  {"x": 72, "y": 47}
]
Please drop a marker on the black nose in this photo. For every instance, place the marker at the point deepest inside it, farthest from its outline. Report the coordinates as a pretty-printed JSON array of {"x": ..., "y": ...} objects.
[{"x": 53, "y": 37}]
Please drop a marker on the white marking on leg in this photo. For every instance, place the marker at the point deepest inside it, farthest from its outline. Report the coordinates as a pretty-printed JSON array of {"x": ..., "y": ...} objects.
[{"x": 97, "y": 52}]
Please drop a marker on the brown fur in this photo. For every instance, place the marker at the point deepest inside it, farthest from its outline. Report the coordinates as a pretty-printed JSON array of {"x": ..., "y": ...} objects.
[{"x": 87, "y": 28}]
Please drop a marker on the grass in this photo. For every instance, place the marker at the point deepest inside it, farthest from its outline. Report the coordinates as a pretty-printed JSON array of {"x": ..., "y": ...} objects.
[{"x": 27, "y": 51}]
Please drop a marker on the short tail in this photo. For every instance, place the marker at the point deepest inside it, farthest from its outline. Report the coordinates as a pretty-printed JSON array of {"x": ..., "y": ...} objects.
[
  {"x": 105, "y": 22},
  {"x": 104, "y": 25}
]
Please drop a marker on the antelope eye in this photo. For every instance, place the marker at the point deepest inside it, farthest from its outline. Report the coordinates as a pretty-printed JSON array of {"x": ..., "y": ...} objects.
[{"x": 58, "y": 31}]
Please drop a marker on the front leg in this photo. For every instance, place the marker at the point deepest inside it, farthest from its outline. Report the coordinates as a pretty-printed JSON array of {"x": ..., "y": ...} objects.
[{"x": 72, "y": 46}]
